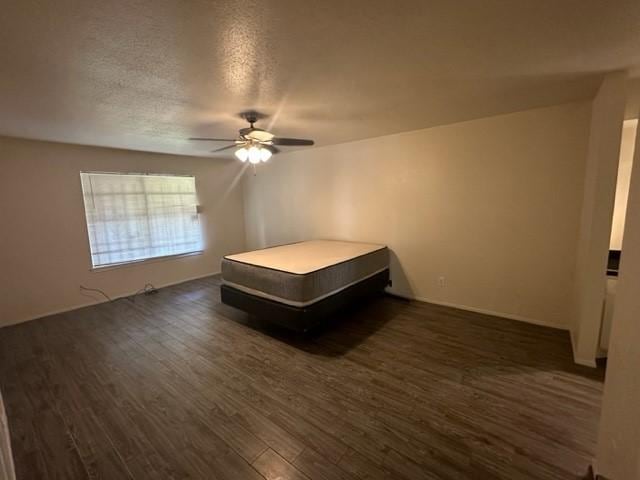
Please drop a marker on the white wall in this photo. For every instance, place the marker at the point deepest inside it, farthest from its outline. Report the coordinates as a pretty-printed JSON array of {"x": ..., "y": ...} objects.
[
  {"x": 492, "y": 205},
  {"x": 44, "y": 253},
  {"x": 596, "y": 218},
  {"x": 618, "y": 452},
  {"x": 622, "y": 184}
]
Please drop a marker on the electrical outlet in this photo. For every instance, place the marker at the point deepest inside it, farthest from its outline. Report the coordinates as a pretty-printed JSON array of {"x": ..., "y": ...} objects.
[{"x": 441, "y": 282}]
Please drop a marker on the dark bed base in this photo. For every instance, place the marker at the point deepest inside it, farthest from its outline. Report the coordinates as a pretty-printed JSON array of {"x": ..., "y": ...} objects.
[{"x": 302, "y": 319}]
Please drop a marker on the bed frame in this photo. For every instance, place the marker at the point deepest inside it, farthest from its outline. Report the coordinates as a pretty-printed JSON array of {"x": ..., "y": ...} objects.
[{"x": 303, "y": 319}]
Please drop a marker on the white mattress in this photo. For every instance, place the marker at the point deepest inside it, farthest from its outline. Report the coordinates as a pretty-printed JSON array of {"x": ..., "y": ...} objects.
[
  {"x": 305, "y": 257},
  {"x": 301, "y": 274}
]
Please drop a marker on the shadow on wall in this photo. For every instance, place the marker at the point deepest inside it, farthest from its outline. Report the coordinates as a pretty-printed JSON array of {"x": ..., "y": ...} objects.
[{"x": 400, "y": 282}]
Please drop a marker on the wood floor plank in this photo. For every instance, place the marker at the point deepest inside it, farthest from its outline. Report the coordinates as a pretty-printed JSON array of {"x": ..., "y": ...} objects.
[
  {"x": 361, "y": 467},
  {"x": 139, "y": 454},
  {"x": 178, "y": 385},
  {"x": 29, "y": 459},
  {"x": 273, "y": 467},
  {"x": 315, "y": 466}
]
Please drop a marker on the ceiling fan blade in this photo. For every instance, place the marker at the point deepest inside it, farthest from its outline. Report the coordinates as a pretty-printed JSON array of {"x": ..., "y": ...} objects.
[
  {"x": 291, "y": 141},
  {"x": 223, "y": 148},
  {"x": 272, "y": 149},
  {"x": 213, "y": 139}
]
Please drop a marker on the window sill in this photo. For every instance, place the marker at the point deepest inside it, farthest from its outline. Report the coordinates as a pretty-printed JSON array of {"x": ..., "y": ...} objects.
[{"x": 132, "y": 263}]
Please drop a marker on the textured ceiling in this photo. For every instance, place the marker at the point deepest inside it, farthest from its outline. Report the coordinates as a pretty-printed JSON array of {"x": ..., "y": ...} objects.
[{"x": 147, "y": 74}]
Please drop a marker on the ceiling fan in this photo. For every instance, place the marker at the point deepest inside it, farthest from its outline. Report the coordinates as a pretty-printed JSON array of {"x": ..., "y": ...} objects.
[{"x": 255, "y": 144}]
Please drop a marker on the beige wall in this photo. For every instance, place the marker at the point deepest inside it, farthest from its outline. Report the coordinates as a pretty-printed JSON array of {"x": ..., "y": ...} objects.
[
  {"x": 622, "y": 185},
  {"x": 618, "y": 452},
  {"x": 491, "y": 205},
  {"x": 44, "y": 253}
]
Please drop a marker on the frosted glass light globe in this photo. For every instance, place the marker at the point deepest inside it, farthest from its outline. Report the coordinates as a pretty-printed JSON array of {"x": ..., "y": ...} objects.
[
  {"x": 254, "y": 155},
  {"x": 242, "y": 154},
  {"x": 265, "y": 154}
]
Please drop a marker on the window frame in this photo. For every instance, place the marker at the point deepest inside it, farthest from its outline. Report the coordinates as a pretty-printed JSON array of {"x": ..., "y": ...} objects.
[{"x": 162, "y": 258}]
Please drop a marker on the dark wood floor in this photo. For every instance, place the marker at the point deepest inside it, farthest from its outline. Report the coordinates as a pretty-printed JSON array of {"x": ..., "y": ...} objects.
[{"x": 177, "y": 385}]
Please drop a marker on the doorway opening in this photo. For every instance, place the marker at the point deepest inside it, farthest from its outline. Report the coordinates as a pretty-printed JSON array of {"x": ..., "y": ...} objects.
[{"x": 617, "y": 229}]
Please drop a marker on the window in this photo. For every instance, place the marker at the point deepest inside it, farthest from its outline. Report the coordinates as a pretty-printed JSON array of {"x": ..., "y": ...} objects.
[{"x": 135, "y": 217}]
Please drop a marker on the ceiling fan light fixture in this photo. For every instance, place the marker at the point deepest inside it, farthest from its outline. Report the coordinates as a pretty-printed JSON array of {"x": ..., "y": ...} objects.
[
  {"x": 254, "y": 144},
  {"x": 259, "y": 135},
  {"x": 265, "y": 154},
  {"x": 254, "y": 154},
  {"x": 242, "y": 154}
]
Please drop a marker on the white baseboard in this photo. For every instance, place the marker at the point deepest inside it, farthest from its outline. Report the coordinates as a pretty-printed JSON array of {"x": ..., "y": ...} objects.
[
  {"x": 483, "y": 311},
  {"x": 178, "y": 282},
  {"x": 587, "y": 362},
  {"x": 419, "y": 299},
  {"x": 97, "y": 302}
]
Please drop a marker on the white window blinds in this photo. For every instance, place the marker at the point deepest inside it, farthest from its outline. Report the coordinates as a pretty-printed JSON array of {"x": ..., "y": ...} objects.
[{"x": 135, "y": 217}]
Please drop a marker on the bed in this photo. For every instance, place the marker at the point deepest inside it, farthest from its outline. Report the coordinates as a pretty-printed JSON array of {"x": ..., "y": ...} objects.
[{"x": 300, "y": 284}]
